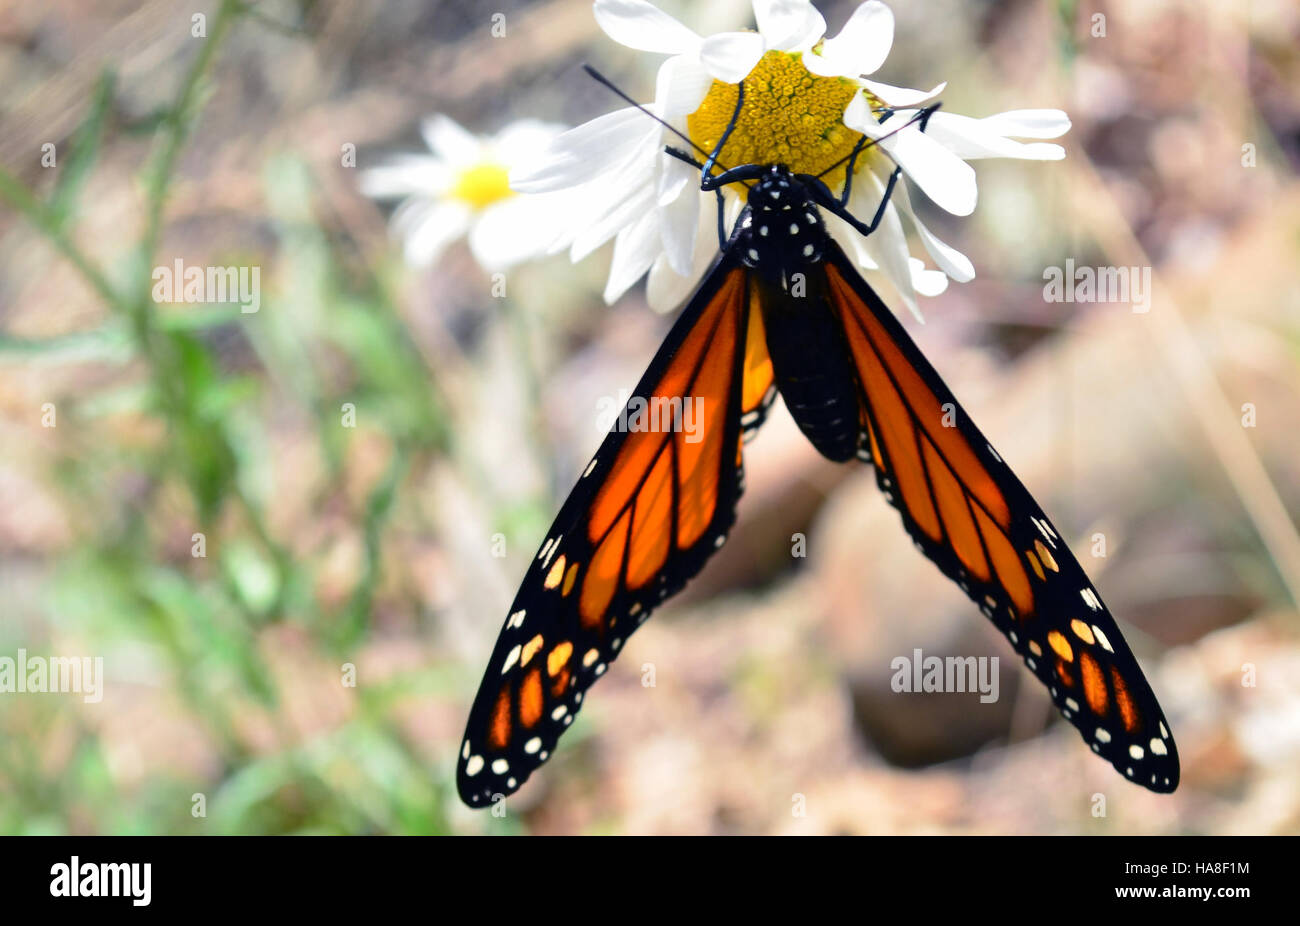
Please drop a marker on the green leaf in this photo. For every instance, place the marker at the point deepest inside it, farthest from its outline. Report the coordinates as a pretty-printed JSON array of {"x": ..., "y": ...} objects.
[{"x": 254, "y": 576}]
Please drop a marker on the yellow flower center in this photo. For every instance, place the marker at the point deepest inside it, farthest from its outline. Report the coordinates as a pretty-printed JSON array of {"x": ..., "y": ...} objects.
[
  {"x": 482, "y": 185},
  {"x": 789, "y": 117}
]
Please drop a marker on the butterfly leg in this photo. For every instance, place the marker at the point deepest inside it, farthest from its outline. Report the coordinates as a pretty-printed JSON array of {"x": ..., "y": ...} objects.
[
  {"x": 707, "y": 185},
  {"x": 834, "y": 204},
  {"x": 707, "y": 170},
  {"x": 726, "y": 133},
  {"x": 848, "y": 171},
  {"x": 722, "y": 225},
  {"x": 884, "y": 201},
  {"x": 839, "y": 205}
]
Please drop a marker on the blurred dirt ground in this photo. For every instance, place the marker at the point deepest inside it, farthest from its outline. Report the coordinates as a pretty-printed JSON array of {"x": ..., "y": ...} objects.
[{"x": 372, "y": 546}]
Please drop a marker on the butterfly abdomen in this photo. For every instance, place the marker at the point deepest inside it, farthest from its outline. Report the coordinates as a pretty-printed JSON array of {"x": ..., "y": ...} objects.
[
  {"x": 811, "y": 366},
  {"x": 783, "y": 239}
]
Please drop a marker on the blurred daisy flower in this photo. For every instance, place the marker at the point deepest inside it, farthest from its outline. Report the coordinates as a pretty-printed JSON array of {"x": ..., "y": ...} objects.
[
  {"x": 461, "y": 189},
  {"x": 807, "y": 103}
]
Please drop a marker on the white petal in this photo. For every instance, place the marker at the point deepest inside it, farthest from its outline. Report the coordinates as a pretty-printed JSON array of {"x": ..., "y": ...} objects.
[
  {"x": 405, "y": 175},
  {"x": 789, "y": 25},
  {"x": 638, "y": 202},
  {"x": 823, "y": 67},
  {"x": 577, "y": 205},
  {"x": 516, "y": 229},
  {"x": 635, "y": 250},
  {"x": 604, "y": 144},
  {"x": 1028, "y": 123},
  {"x": 594, "y": 212},
  {"x": 950, "y": 260},
  {"x": 858, "y": 115},
  {"x": 679, "y": 221},
  {"x": 1039, "y": 151},
  {"x": 674, "y": 177},
  {"x": 926, "y": 282},
  {"x": 445, "y": 137},
  {"x": 666, "y": 289},
  {"x": 902, "y": 96},
  {"x": 861, "y": 46},
  {"x": 681, "y": 86},
  {"x": 643, "y": 26},
  {"x": 850, "y": 240},
  {"x": 522, "y": 139},
  {"x": 942, "y": 175},
  {"x": 970, "y": 139},
  {"x": 426, "y": 228},
  {"x": 730, "y": 56}
]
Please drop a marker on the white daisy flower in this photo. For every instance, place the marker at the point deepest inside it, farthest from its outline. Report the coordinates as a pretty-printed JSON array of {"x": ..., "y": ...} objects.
[
  {"x": 462, "y": 188},
  {"x": 807, "y": 104}
]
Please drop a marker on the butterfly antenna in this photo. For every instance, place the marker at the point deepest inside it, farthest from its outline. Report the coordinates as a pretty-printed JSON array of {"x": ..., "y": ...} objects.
[{"x": 601, "y": 78}]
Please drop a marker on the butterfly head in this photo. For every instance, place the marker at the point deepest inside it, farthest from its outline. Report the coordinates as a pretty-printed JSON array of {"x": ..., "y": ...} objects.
[{"x": 784, "y": 229}]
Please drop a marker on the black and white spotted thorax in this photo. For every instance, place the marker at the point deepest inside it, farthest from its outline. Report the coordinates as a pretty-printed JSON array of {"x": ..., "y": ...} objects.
[{"x": 782, "y": 229}]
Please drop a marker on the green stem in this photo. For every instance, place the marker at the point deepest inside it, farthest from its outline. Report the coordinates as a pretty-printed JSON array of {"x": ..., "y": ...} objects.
[
  {"x": 13, "y": 192},
  {"x": 180, "y": 119}
]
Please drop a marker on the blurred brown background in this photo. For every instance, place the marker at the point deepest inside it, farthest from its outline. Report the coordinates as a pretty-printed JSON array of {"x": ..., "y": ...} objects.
[{"x": 373, "y": 546}]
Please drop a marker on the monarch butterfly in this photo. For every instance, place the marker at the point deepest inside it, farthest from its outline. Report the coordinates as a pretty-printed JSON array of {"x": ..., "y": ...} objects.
[{"x": 782, "y": 309}]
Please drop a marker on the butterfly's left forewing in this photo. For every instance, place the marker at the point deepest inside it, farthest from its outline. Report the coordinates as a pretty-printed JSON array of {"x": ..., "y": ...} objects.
[
  {"x": 969, "y": 513},
  {"x": 652, "y": 506}
]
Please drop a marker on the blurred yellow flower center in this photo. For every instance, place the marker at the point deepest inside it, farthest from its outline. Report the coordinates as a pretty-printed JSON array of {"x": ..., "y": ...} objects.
[
  {"x": 789, "y": 117},
  {"x": 482, "y": 185}
]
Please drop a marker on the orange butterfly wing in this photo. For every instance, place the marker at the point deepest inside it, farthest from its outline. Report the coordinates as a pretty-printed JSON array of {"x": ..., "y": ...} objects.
[
  {"x": 655, "y": 502},
  {"x": 969, "y": 513}
]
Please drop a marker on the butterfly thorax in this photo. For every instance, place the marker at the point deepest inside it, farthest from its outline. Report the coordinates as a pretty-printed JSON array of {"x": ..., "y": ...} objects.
[{"x": 782, "y": 230}]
